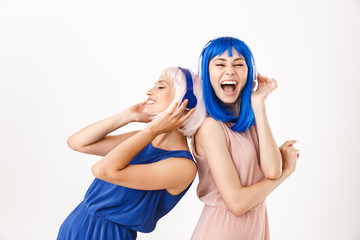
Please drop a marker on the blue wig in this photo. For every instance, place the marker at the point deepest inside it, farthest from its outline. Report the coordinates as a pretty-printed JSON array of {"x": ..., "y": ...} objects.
[{"x": 214, "y": 105}]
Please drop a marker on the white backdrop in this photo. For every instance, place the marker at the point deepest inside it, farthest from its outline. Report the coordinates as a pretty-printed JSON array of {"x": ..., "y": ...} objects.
[{"x": 65, "y": 64}]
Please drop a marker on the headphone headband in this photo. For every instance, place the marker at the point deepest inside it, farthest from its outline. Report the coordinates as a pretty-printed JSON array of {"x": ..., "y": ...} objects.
[{"x": 189, "y": 95}]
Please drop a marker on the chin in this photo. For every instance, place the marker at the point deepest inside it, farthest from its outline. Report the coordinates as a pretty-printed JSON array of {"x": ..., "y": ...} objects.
[
  {"x": 229, "y": 100},
  {"x": 147, "y": 110},
  {"x": 151, "y": 111}
]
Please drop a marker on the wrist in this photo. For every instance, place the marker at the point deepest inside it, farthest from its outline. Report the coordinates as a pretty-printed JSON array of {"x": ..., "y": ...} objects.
[
  {"x": 151, "y": 131},
  {"x": 259, "y": 108},
  {"x": 286, "y": 173},
  {"x": 126, "y": 116},
  {"x": 118, "y": 120}
]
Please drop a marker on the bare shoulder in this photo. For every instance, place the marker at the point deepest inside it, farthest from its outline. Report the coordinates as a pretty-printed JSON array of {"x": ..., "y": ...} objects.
[
  {"x": 187, "y": 165},
  {"x": 209, "y": 127},
  {"x": 209, "y": 136},
  {"x": 182, "y": 178},
  {"x": 209, "y": 121}
]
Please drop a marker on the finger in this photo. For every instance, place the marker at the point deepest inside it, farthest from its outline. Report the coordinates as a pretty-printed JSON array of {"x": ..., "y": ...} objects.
[
  {"x": 181, "y": 108},
  {"x": 289, "y": 143},
  {"x": 172, "y": 108},
  {"x": 254, "y": 84},
  {"x": 264, "y": 78},
  {"x": 269, "y": 81},
  {"x": 264, "y": 82},
  {"x": 260, "y": 77},
  {"x": 297, "y": 153},
  {"x": 186, "y": 116},
  {"x": 275, "y": 83},
  {"x": 285, "y": 144},
  {"x": 141, "y": 106},
  {"x": 143, "y": 102}
]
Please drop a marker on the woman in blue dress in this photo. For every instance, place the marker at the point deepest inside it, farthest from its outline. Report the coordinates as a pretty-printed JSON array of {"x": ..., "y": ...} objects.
[{"x": 143, "y": 174}]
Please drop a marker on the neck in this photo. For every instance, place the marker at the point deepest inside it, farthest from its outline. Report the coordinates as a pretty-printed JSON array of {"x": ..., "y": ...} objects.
[
  {"x": 234, "y": 107},
  {"x": 237, "y": 107},
  {"x": 173, "y": 140}
]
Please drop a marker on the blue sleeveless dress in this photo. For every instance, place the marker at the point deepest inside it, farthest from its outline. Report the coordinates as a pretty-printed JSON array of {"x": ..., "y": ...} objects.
[{"x": 110, "y": 211}]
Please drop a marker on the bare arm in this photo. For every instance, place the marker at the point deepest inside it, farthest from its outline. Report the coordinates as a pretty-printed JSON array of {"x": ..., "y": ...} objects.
[
  {"x": 211, "y": 141},
  {"x": 115, "y": 168},
  {"x": 93, "y": 139},
  {"x": 270, "y": 157}
]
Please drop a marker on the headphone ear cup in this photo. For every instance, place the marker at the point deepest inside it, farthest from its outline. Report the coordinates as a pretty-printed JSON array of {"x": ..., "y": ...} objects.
[
  {"x": 192, "y": 101},
  {"x": 189, "y": 95}
]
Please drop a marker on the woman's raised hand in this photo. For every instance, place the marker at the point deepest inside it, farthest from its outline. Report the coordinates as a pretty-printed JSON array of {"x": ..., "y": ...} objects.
[
  {"x": 264, "y": 88},
  {"x": 171, "y": 119},
  {"x": 289, "y": 155},
  {"x": 136, "y": 114}
]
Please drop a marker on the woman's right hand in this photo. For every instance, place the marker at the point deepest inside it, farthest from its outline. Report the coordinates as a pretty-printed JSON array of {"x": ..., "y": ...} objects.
[
  {"x": 289, "y": 156},
  {"x": 136, "y": 114}
]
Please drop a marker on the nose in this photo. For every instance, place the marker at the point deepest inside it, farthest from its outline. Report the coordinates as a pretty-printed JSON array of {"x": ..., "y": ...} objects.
[
  {"x": 149, "y": 92},
  {"x": 230, "y": 71}
]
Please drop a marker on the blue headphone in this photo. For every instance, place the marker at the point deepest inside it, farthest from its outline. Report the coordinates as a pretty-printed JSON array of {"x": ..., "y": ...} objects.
[{"x": 189, "y": 95}]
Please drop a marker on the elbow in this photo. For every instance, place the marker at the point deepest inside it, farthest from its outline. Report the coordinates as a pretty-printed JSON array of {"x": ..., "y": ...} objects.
[
  {"x": 272, "y": 172},
  {"x": 104, "y": 172},
  {"x": 99, "y": 171},
  {"x": 241, "y": 206},
  {"x": 71, "y": 144},
  {"x": 238, "y": 209},
  {"x": 74, "y": 146},
  {"x": 272, "y": 175},
  {"x": 238, "y": 205}
]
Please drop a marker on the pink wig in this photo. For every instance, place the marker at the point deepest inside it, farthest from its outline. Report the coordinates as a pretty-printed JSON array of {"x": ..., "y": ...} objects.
[{"x": 190, "y": 126}]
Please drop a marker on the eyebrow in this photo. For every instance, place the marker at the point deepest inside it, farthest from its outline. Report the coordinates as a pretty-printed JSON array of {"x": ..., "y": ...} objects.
[
  {"x": 236, "y": 59},
  {"x": 161, "y": 81}
]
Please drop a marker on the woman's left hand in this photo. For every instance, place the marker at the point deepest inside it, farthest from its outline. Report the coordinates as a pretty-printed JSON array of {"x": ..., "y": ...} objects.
[
  {"x": 264, "y": 88},
  {"x": 171, "y": 119}
]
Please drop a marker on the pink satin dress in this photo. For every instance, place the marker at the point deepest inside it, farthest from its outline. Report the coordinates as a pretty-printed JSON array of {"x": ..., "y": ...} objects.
[{"x": 216, "y": 221}]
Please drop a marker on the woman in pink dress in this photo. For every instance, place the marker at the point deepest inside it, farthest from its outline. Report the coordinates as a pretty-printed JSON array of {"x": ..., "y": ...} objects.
[{"x": 239, "y": 163}]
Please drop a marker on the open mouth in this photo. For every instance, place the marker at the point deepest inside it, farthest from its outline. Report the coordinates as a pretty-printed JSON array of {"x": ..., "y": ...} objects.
[
  {"x": 149, "y": 102},
  {"x": 229, "y": 87}
]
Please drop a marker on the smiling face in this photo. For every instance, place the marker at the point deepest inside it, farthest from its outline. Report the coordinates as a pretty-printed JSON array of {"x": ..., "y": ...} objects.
[
  {"x": 228, "y": 76},
  {"x": 160, "y": 96}
]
